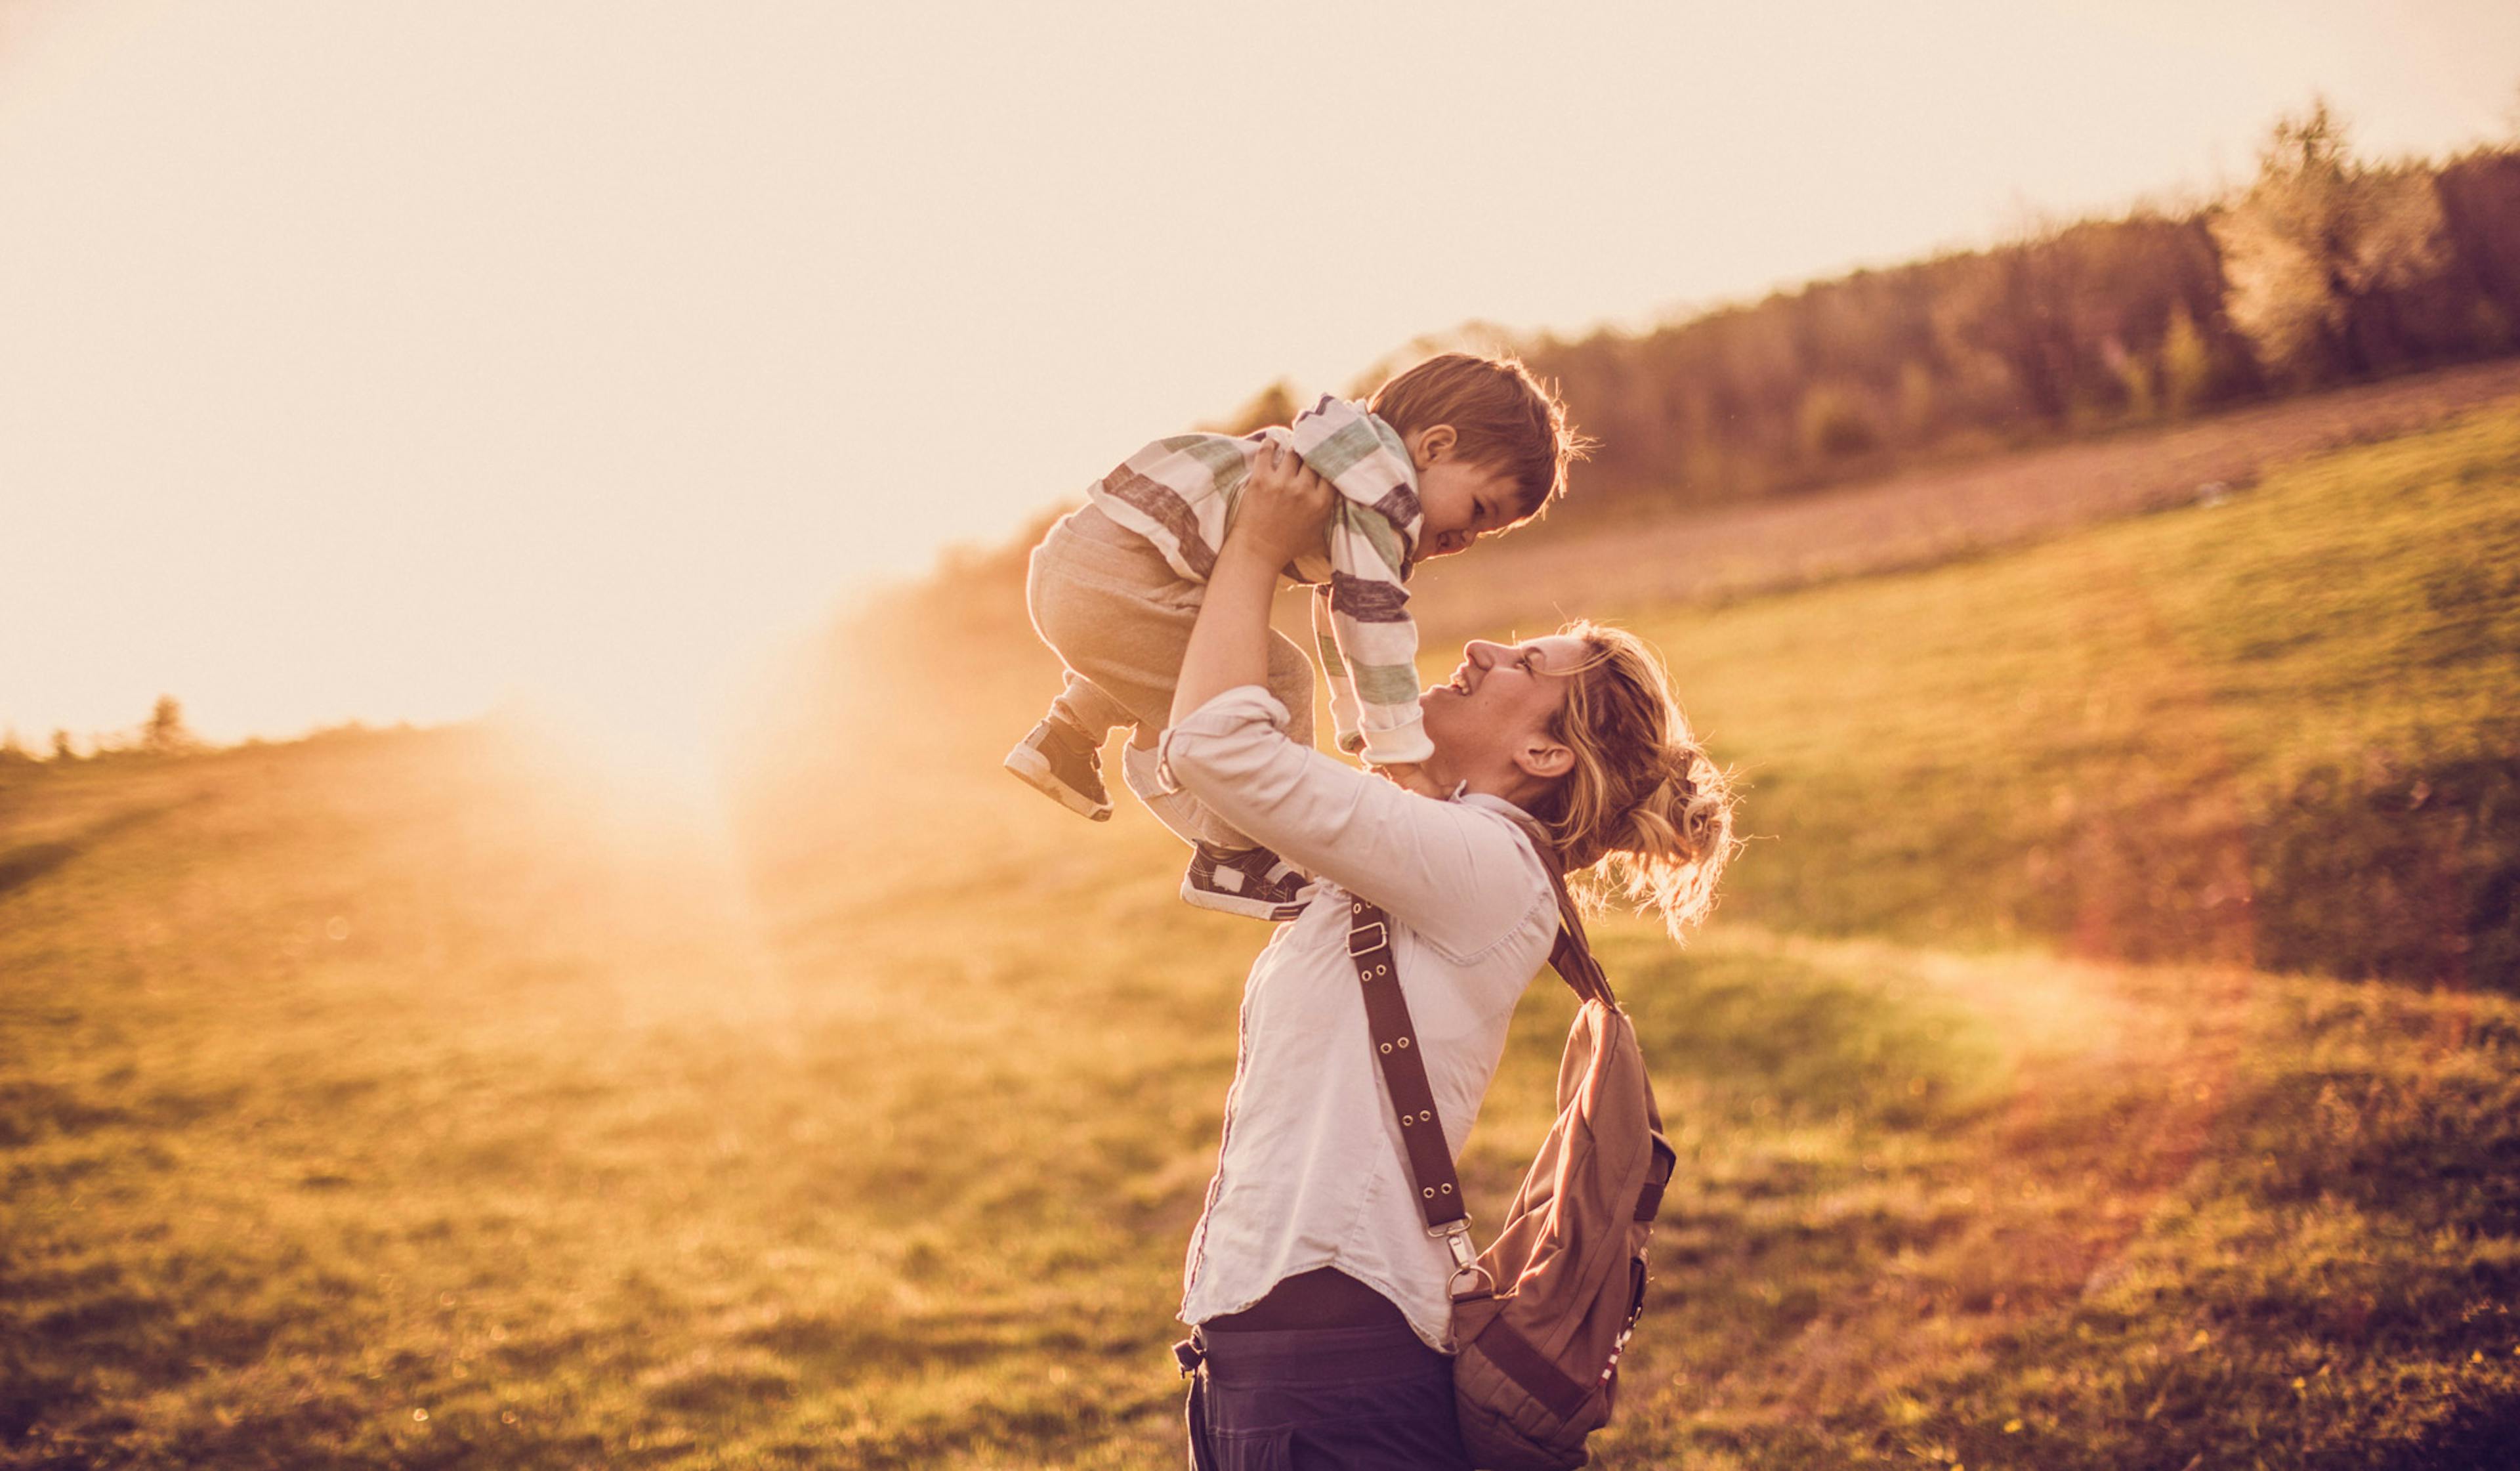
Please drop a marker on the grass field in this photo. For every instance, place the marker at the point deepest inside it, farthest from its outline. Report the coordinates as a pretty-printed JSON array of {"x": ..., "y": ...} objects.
[{"x": 420, "y": 1100}]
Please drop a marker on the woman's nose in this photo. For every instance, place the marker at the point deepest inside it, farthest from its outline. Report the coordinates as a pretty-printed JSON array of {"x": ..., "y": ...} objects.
[{"x": 1480, "y": 652}]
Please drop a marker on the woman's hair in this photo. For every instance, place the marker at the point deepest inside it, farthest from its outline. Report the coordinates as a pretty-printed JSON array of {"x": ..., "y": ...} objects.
[
  {"x": 1646, "y": 815},
  {"x": 1504, "y": 419}
]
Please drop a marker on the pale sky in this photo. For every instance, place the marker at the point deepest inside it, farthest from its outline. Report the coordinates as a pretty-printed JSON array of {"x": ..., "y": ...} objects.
[{"x": 379, "y": 360}]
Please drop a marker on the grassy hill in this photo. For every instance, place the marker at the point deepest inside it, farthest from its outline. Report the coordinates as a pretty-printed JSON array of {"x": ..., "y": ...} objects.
[
  {"x": 2279, "y": 730},
  {"x": 420, "y": 1100}
]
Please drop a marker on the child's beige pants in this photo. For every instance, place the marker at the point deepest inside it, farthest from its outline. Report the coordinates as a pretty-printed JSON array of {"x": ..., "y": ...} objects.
[{"x": 1119, "y": 618}]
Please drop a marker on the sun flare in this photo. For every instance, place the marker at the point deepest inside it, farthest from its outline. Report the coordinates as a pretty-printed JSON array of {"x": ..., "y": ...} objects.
[{"x": 658, "y": 746}]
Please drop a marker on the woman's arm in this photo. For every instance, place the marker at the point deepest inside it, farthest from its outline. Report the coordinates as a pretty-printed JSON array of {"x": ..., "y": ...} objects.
[
  {"x": 1458, "y": 876},
  {"x": 1284, "y": 507}
]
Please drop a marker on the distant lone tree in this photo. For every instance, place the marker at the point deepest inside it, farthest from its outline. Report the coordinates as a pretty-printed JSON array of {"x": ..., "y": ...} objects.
[
  {"x": 62, "y": 750},
  {"x": 2318, "y": 242},
  {"x": 164, "y": 734}
]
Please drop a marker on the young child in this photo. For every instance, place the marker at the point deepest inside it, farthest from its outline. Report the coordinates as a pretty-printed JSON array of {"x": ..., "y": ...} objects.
[{"x": 1456, "y": 447}]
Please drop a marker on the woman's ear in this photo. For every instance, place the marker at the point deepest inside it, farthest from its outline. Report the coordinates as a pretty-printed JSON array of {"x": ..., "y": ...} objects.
[{"x": 1545, "y": 760}]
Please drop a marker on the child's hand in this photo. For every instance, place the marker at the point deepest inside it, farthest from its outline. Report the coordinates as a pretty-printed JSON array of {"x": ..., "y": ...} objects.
[
  {"x": 1412, "y": 777},
  {"x": 1284, "y": 507}
]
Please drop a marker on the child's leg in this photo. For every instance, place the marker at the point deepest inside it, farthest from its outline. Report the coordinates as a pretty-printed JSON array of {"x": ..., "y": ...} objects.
[
  {"x": 1088, "y": 708},
  {"x": 1121, "y": 619},
  {"x": 1291, "y": 679},
  {"x": 1117, "y": 616},
  {"x": 1092, "y": 590}
]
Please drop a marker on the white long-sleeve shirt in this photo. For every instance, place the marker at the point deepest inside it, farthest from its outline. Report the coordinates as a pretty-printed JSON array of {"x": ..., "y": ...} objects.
[{"x": 1312, "y": 1171}]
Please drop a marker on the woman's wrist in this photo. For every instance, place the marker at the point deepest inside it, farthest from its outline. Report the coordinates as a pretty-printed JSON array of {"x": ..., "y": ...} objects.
[{"x": 1240, "y": 558}]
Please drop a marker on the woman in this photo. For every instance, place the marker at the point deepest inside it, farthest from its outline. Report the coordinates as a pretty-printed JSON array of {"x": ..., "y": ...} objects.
[{"x": 1316, "y": 1296}]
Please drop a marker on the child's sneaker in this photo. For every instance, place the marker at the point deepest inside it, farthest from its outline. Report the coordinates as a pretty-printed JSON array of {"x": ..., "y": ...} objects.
[
  {"x": 1061, "y": 761},
  {"x": 1247, "y": 881}
]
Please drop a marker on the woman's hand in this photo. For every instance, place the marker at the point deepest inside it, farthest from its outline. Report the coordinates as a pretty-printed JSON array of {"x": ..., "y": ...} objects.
[{"x": 1283, "y": 508}]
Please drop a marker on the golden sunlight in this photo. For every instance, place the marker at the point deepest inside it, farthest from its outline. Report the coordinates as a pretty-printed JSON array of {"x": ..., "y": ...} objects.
[
  {"x": 559, "y": 905},
  {"x": 650, "y": 731}
]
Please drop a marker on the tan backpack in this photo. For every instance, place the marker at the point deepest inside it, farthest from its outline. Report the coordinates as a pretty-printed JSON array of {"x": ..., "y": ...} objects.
[{"x": 1541, "y": 1317}]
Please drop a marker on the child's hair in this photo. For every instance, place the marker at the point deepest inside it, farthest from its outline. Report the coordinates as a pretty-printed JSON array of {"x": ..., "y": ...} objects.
[
  {"x": 1644, "y": 800},
  {"x": 1506, "y": 419}
]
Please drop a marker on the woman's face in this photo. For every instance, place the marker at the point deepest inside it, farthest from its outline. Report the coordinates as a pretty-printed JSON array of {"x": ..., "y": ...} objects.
[{"x": 1500, "y": 700}]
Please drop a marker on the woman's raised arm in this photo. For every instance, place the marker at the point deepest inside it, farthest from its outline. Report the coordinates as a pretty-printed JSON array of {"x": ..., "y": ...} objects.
[
  {"x": 1282, "y": 510},
  {"x": 1458, "y": 876}
]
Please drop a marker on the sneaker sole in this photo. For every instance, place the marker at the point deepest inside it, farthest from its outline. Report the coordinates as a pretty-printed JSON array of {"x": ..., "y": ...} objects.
[
  {"x": 1226, "y": 903},
  {"x": 1030, "y": 769}
]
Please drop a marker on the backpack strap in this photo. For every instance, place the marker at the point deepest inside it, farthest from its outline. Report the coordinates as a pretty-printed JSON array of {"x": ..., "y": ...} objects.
[
  {"x": 1403, "y": 1072},
  {"x": 1572, "y": 956}
]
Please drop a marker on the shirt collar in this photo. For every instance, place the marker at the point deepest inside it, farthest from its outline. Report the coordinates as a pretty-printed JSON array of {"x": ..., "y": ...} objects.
[{"x": 1462, "y": 794}]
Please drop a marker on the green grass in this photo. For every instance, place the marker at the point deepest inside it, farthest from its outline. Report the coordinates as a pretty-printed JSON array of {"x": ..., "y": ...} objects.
[
  {"x": 2207, "y": 734},
  {"x": 411, "y": 1101},
  {"x": 540, "y": 1162}
]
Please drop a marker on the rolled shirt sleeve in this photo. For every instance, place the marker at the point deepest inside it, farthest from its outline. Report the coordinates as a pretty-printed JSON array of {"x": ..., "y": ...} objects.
[{"x": 1459, "y": 875}]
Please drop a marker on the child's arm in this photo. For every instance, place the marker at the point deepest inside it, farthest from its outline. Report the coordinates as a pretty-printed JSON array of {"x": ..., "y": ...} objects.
[
  {"x": 1375, "y": 638},
  {"x": 1345, "y": 731},
  {"x": 1344, "y": 706},
  {"x": 1367, "y": 642}
]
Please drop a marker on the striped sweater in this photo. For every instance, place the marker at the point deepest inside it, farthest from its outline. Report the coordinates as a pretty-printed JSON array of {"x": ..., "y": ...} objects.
[{"x": 1181, "y": 492}]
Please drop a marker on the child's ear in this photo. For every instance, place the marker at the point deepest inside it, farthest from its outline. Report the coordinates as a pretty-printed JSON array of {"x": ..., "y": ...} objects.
[{"x": 1434, "y": 443}]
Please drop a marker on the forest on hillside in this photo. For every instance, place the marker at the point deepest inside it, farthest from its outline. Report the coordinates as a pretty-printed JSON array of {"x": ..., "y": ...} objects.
[{"x": 2327, "y": 268}]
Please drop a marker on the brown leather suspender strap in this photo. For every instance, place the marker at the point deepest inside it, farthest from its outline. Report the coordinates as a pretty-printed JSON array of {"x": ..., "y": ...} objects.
[
  {"x": 1395, "y": 1037},
  {"x": 1404, "y": 1073}
]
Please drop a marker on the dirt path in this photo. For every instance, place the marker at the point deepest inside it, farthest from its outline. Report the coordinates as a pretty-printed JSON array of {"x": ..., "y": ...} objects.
[{"x": 1927, "y": 515}]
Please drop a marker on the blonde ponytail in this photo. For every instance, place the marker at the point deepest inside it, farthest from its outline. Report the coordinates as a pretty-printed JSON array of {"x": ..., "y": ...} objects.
[{"x": 1644, "y": 815}]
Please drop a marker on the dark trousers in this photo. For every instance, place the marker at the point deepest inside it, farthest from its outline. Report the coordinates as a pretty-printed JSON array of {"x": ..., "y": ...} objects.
[{"x": 1321, "y": 1399}]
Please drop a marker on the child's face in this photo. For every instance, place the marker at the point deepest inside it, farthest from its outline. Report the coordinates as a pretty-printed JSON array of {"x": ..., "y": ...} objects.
[{"x": 1462, "y": 501}]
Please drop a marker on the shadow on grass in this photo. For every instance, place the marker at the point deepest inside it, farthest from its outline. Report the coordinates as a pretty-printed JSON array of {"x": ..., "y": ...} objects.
[
  {"x": 22, "y": 865},
  {"x": 2333, "y": 1286},
  {"x": 2405, "y": 871}
]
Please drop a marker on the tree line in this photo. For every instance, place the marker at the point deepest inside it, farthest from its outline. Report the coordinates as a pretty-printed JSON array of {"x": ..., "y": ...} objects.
[
  {"x": 163, "y": 733},
  {"x": 2327, "y": 268}
]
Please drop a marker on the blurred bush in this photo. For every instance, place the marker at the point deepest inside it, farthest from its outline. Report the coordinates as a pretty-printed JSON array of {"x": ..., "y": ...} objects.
[{"x": 2325, "y": 255}]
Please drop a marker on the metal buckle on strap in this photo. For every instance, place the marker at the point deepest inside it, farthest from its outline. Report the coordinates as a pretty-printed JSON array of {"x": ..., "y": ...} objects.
[
  {"x": 1357, "y": 943},
  {"x": 1470, "y": 1279}
]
